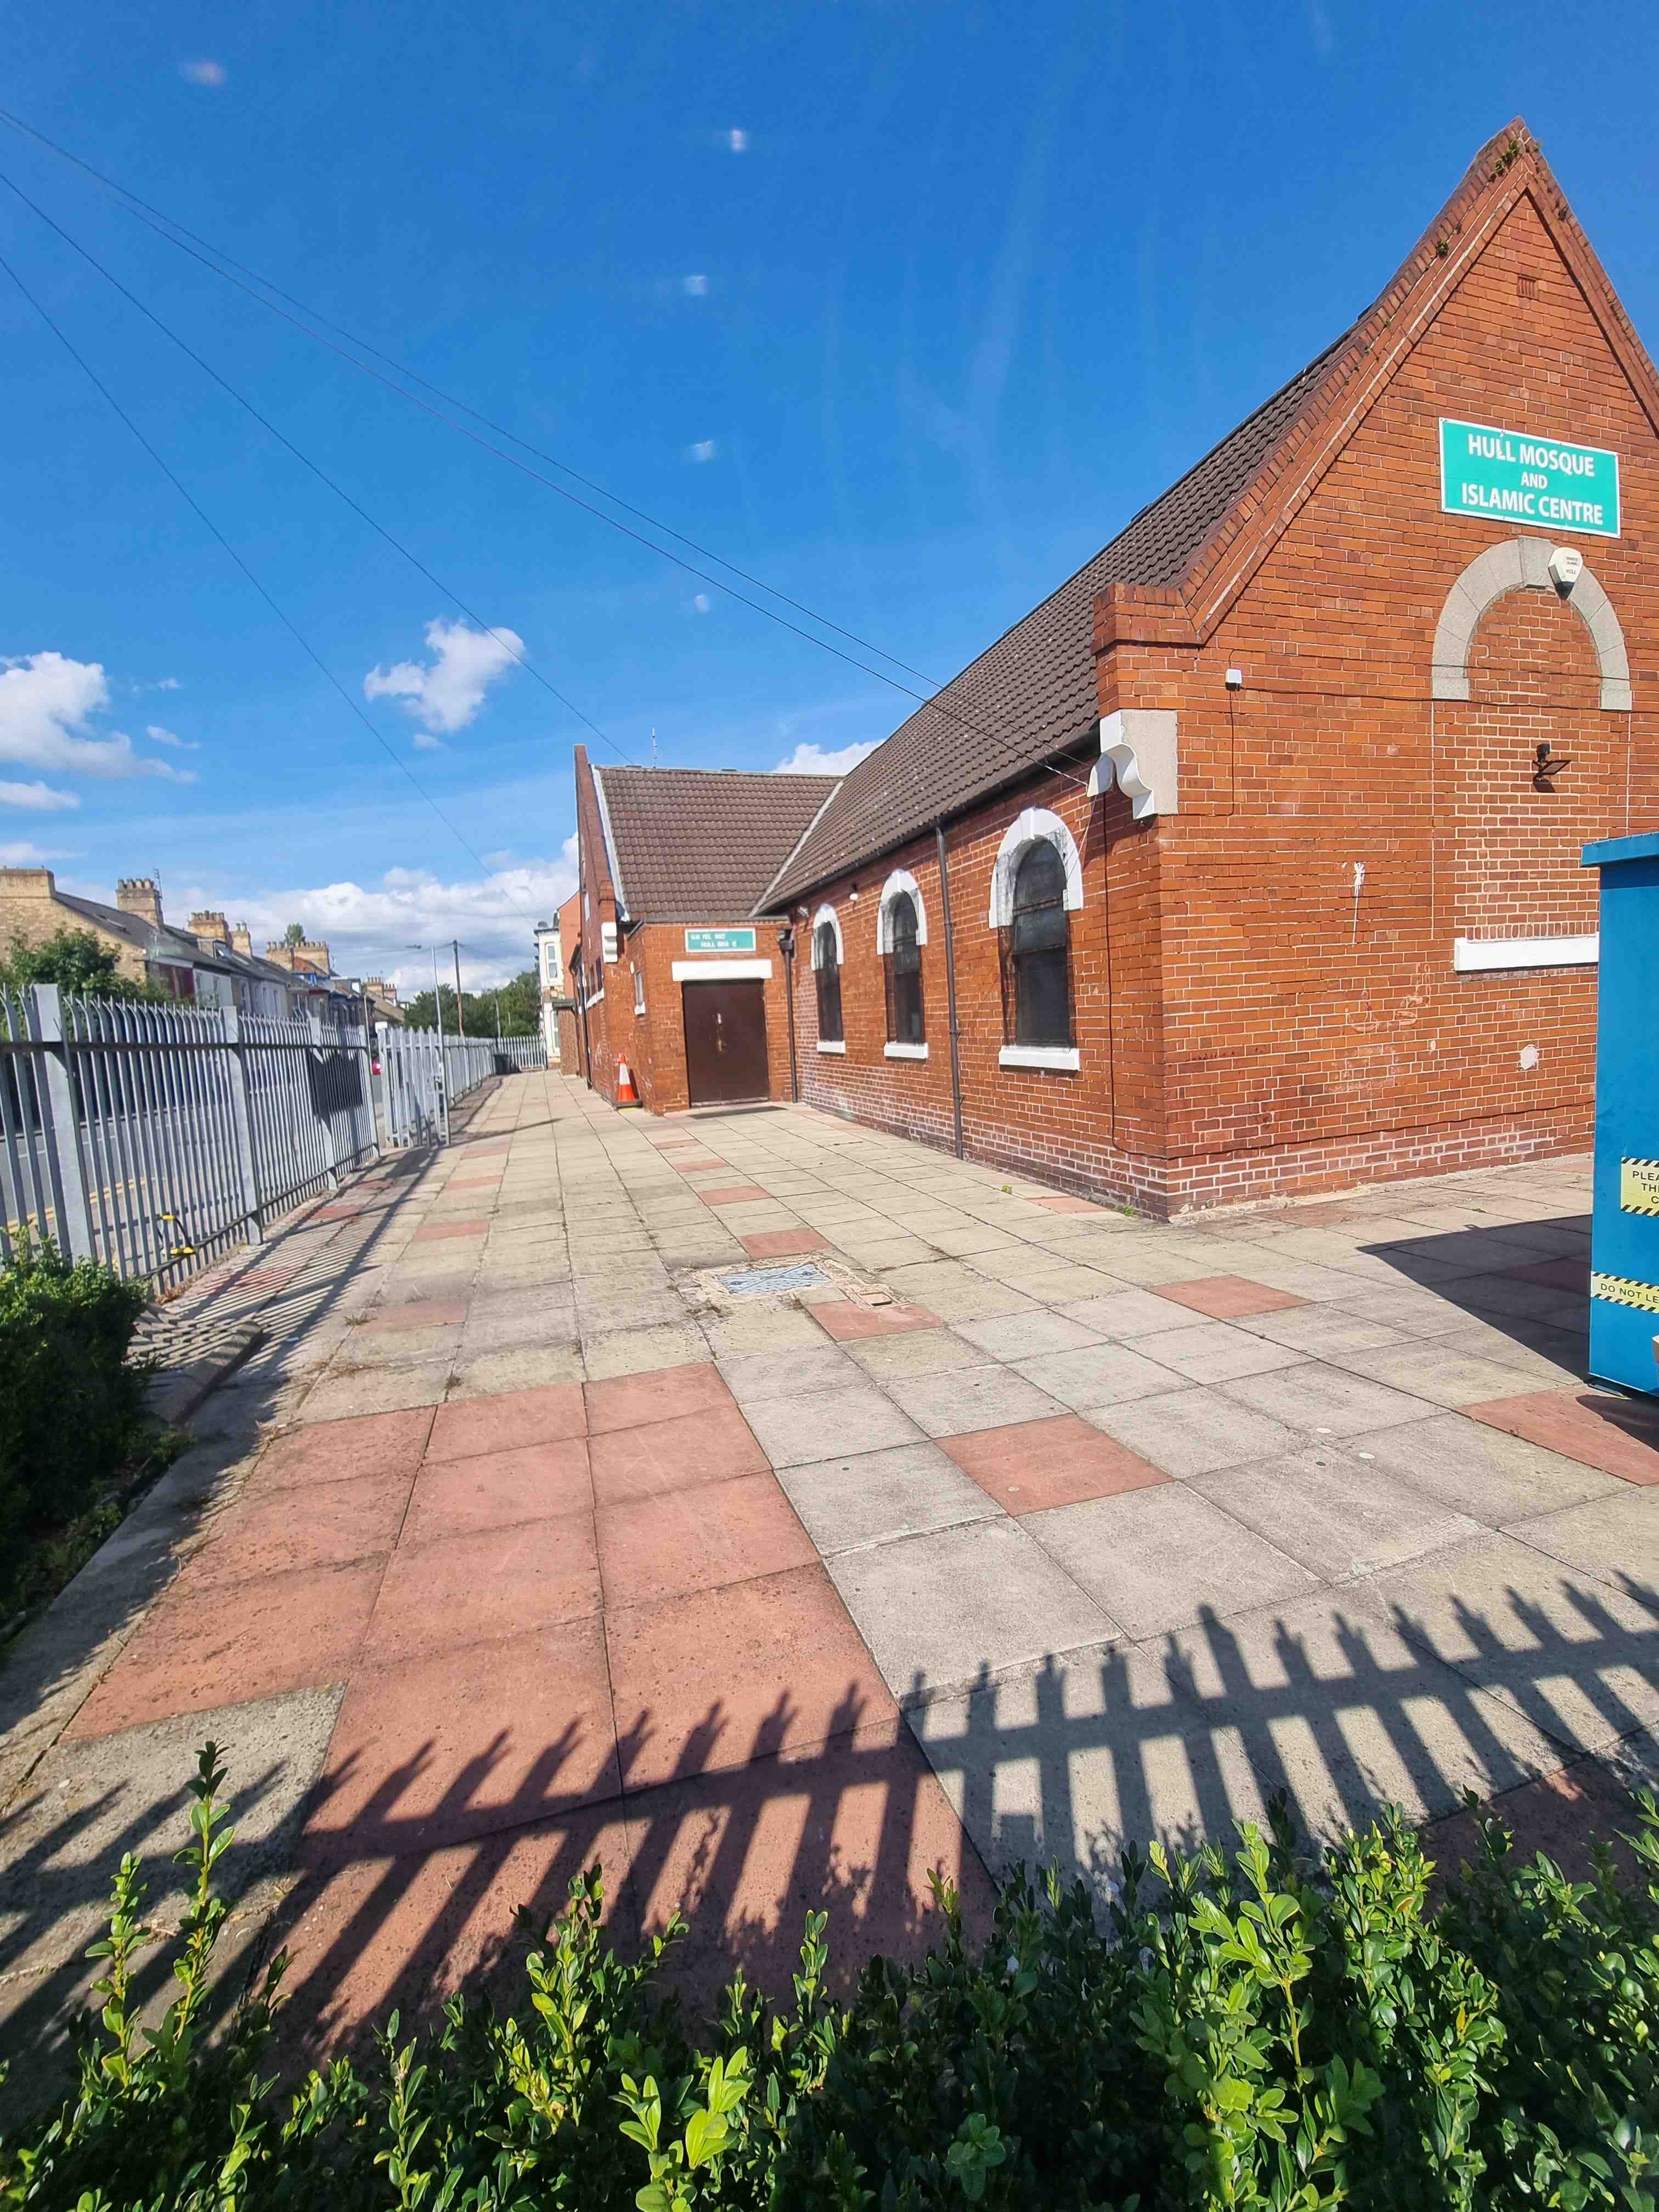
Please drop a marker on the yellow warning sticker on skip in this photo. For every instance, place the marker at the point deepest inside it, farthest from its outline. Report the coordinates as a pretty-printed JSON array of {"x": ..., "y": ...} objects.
[{"x": 1639, "y": 1186}]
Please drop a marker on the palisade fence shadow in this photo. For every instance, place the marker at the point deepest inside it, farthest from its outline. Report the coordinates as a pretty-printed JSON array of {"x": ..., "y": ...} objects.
[{"x": 152, "y": 1137}]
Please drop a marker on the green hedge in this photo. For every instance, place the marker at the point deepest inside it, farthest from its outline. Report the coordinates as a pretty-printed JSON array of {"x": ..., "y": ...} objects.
[
  {"x": 71, "y": 1407},
  {"x": 1246, "y": 2029}
]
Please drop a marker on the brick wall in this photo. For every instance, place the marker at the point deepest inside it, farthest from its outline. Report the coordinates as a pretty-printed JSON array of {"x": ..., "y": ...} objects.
[
  {"x": 1245, "y": 1025},
  {"x": 30, "y": 915},
  {"x": 658, "y": 1036}
]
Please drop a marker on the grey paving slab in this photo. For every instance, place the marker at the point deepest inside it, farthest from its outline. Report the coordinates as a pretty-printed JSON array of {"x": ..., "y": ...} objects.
[
  {"x": 954, "y": 1291},
  {"x": 1578, "y": 1657},
  {"x": 813, "y": 1424},
  {"x": 1494, "y": 1478},
  {"x": 937, "y": 1610},
  {"x": 342, "y": 1393},
  {"x": 522, "y": 1367},
  {"x": 964, "y": 1399},
  {"x": 1127, "y": 1313},
  {"x": 1158, "y": 1559},
  {"x": 1216, "y": 1352},
  {"x": 1098, "y": 1375},
  {"x": 1325, "y": 1331},
  {"x": 788, "y": 1370},
  {"x": 754, "y": 1325},
  {"x": 1614, "y": 1538},
  {"x": 634, "y": 1351},
  {"x": 1193, "y": 1431},
  {"x": 1323, "y": 1401},
  {"x": 872, "y": 1497},
  {"x": 1338, "y": 1515},
  {"x": 917, "y": 1351},
  {"x": 1439, "y": 1369},
  {"x": 1024, "y": 1336}
]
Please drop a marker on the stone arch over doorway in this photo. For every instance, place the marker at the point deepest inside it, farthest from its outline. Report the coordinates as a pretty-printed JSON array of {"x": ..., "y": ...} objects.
[{"x": 1522, "y": 564}]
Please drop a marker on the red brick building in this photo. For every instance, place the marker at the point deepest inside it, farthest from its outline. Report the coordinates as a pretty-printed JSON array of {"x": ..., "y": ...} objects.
[
  {"x": 1239, "y": 859},
  {"x": 674, "y": 977}
]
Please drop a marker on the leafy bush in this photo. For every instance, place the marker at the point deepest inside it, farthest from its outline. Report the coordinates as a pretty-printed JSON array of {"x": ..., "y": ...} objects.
[
  {"x": 77, "y": 961},
  {"x": 71, "y": 1407},
  {"x": 1246, "y": 2030}
]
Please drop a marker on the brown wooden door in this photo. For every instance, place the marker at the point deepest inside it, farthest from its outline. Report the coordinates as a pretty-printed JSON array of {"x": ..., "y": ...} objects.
[{"x": 724, "y": 1042}]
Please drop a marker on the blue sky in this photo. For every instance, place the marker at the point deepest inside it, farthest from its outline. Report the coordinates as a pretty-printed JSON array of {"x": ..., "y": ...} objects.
[{"x": 905, "y": 308}]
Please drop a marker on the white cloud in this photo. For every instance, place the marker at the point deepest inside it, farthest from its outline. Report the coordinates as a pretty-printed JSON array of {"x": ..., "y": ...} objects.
[
  {"x": 694, "y": 287},
  {"x": 158, "y": 736},
  {"x": 426, "y": 743},
  {"x": 21, "y": 854},
  {"x": 371, "y": 927},
  {"x": 167, "y": 684},
  {"x": 203, "y": 72},
  {"x": 812, "y": 760},
  {"x": 737, "y": 141},
  {"x": 38, "y": 797},
  {"x": 445, "y": 693},
  {"x": 47, "y": 703},
  {"x": 704, "y": 450}
]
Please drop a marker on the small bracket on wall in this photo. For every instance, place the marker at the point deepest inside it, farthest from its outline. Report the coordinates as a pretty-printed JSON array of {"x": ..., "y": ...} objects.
[{"x": 1139, "y": 753}]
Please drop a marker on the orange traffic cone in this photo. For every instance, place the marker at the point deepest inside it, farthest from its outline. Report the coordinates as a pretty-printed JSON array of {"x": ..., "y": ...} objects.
[{"x": 626, "y": 1094}]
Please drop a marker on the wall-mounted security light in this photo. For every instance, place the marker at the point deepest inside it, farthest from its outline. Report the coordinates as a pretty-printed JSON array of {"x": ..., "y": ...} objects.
[
  {"x": 1235, "y": 679},
  {"x": 1566, "y": 567}
]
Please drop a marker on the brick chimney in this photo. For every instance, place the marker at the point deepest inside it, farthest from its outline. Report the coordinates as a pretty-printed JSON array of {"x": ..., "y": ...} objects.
[
  {"x": 378, "y": 988},
  {"x": 242, "y": 939},
  {"x": 139, "y": 895},
  {"x": 211, "y": 926},
  {"x": 313, "y": 953},
  {"x": 280, "y": 955}
]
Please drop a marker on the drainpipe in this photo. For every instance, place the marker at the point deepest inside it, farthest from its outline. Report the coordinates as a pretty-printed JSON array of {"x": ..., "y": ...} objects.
[
  {"x": 950, "y": 986},
  {"x": 786, "y": 946}
]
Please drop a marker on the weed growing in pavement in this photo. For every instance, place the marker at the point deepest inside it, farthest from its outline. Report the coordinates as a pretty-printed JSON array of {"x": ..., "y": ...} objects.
[{"x": 1245, "y": 2027}]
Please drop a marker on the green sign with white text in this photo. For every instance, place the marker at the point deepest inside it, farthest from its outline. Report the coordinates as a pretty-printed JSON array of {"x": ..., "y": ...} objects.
[
  {"x": 720, "y": 940},
  {"x": 1512, "y": 476}
]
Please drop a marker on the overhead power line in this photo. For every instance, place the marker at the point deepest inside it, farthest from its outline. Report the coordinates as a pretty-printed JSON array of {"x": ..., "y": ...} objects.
[
  {"x": 210, "y": 257},
  {"x": 306, "y": 461},
  {"x": 218, "y": 535}
]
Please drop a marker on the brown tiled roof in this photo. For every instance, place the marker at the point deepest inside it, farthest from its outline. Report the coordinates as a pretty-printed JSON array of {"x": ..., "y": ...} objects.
[
  {"x": 701, "y": 844},
  {"x": 1032, "y": 693}
]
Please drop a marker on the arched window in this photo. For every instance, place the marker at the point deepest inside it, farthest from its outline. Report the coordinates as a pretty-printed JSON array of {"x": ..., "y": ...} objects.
[
  {"x": 826, "y": 961},
  {"x": 1037, "y": 967},
  {"x": 905, "y": 1024}
]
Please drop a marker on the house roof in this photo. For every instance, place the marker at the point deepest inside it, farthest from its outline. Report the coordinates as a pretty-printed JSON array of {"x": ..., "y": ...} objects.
[
  {"x": 175, "y": 945},
  {"x": 701, "y": 844},
  {"x": 1033, "y": 695}
]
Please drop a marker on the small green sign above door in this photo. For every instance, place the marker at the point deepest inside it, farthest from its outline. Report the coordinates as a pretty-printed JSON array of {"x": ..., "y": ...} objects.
[
  {"x": 1511, "y": 476},
  {"x": 720, "y": 940}
]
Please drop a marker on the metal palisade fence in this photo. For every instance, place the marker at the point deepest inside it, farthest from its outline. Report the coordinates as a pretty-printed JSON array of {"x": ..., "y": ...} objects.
[{"x": 153, "y": 1137}]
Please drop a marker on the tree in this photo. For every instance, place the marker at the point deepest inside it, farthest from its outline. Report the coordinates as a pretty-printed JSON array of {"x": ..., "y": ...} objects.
[
  {"x": 296, "y": 934},
  {"x": 77, "y": 961},
  {"x": 520, "y": 1009}
]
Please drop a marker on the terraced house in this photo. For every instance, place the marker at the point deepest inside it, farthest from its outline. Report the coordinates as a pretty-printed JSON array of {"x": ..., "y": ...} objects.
[{"x": 1248, "y": 861}]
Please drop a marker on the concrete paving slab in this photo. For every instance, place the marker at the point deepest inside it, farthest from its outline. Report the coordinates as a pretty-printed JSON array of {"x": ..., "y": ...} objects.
[
  {"x": 1320, "y": 1400},
  {"x": 1159, "y": 1558},
  {"x": 1034, "y": 1465},
  {"x": 1195, "y": 1431},
  {"x": 813, "y": 1424},
  {"x": 1098, "y": 1375},
  {"x": 1340, "y": 1516},
  {"x": 1494, "y": 1478},
  {"x": 955, "y": 1293},
  {"x": 756, "y": 1326},
  {"x": 937, "y": 1609},
  {"x": 482, "y": 1584},
  {"x": 1217, "y": 1351},
  {"x": 668, "y": 1545},
  {"x": 1028, "y": 1336},
  {"x": 1126, "y": 1314},
  {"x": 1440, "y": 1370},
  {"x": 537, "y": 1483},
  {"x": 918, "y": 1352},
  {"x": 1614, "y": 1538},
  {"x": 970, "y": 1398},
  {"x": 344, "y": 1395},
  {"x": 872, "y": 1497}
]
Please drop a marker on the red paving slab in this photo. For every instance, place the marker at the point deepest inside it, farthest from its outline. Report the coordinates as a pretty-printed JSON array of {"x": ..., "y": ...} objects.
[
  {"x": 456, "y": 1496},
  {"x": 736, "y": 1194},
  {"x": 379, "y": 1932},
  {"x": 202, "y": 1648},
  {"x": 1227, "y": 1298},
  {"x": 848, "y": 1321},
  {"x": 546, "y": 1414},
  {"x": 720, "y": 1677},
  {"x": 335, "y": 1451},
  {"x": 490, "y": 1584},
  {"x": 419, "y": 1313},
  {"x": 1033, "y": 1465},
  {"x": 271, "y": 1532},
  {"x": 435, "y": 1232},
  {"x": 723, "y": 1532},
  {"x": 852, "y": 1829},
  {"x": 783, "y": 1243},
  {"x": 626, "y": 1401},
  {"x": 1619, "y": 1435},
  {"x": 466, "y": 1744},
  {"x": 714, "y": 1445}
]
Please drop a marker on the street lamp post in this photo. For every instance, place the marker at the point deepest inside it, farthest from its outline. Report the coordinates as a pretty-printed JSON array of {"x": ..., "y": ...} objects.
[{"x": 438, "y": 1010}]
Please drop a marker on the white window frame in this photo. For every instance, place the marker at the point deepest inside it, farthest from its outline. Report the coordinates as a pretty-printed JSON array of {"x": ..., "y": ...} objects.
[
  {"x": 638, "y": 991},
  {"x": 899, "y": 883},
  {"x": 1036, "y": 825},
  {"x": 827, "y": 913},
  {"x": 1062, "y": 1058}
]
